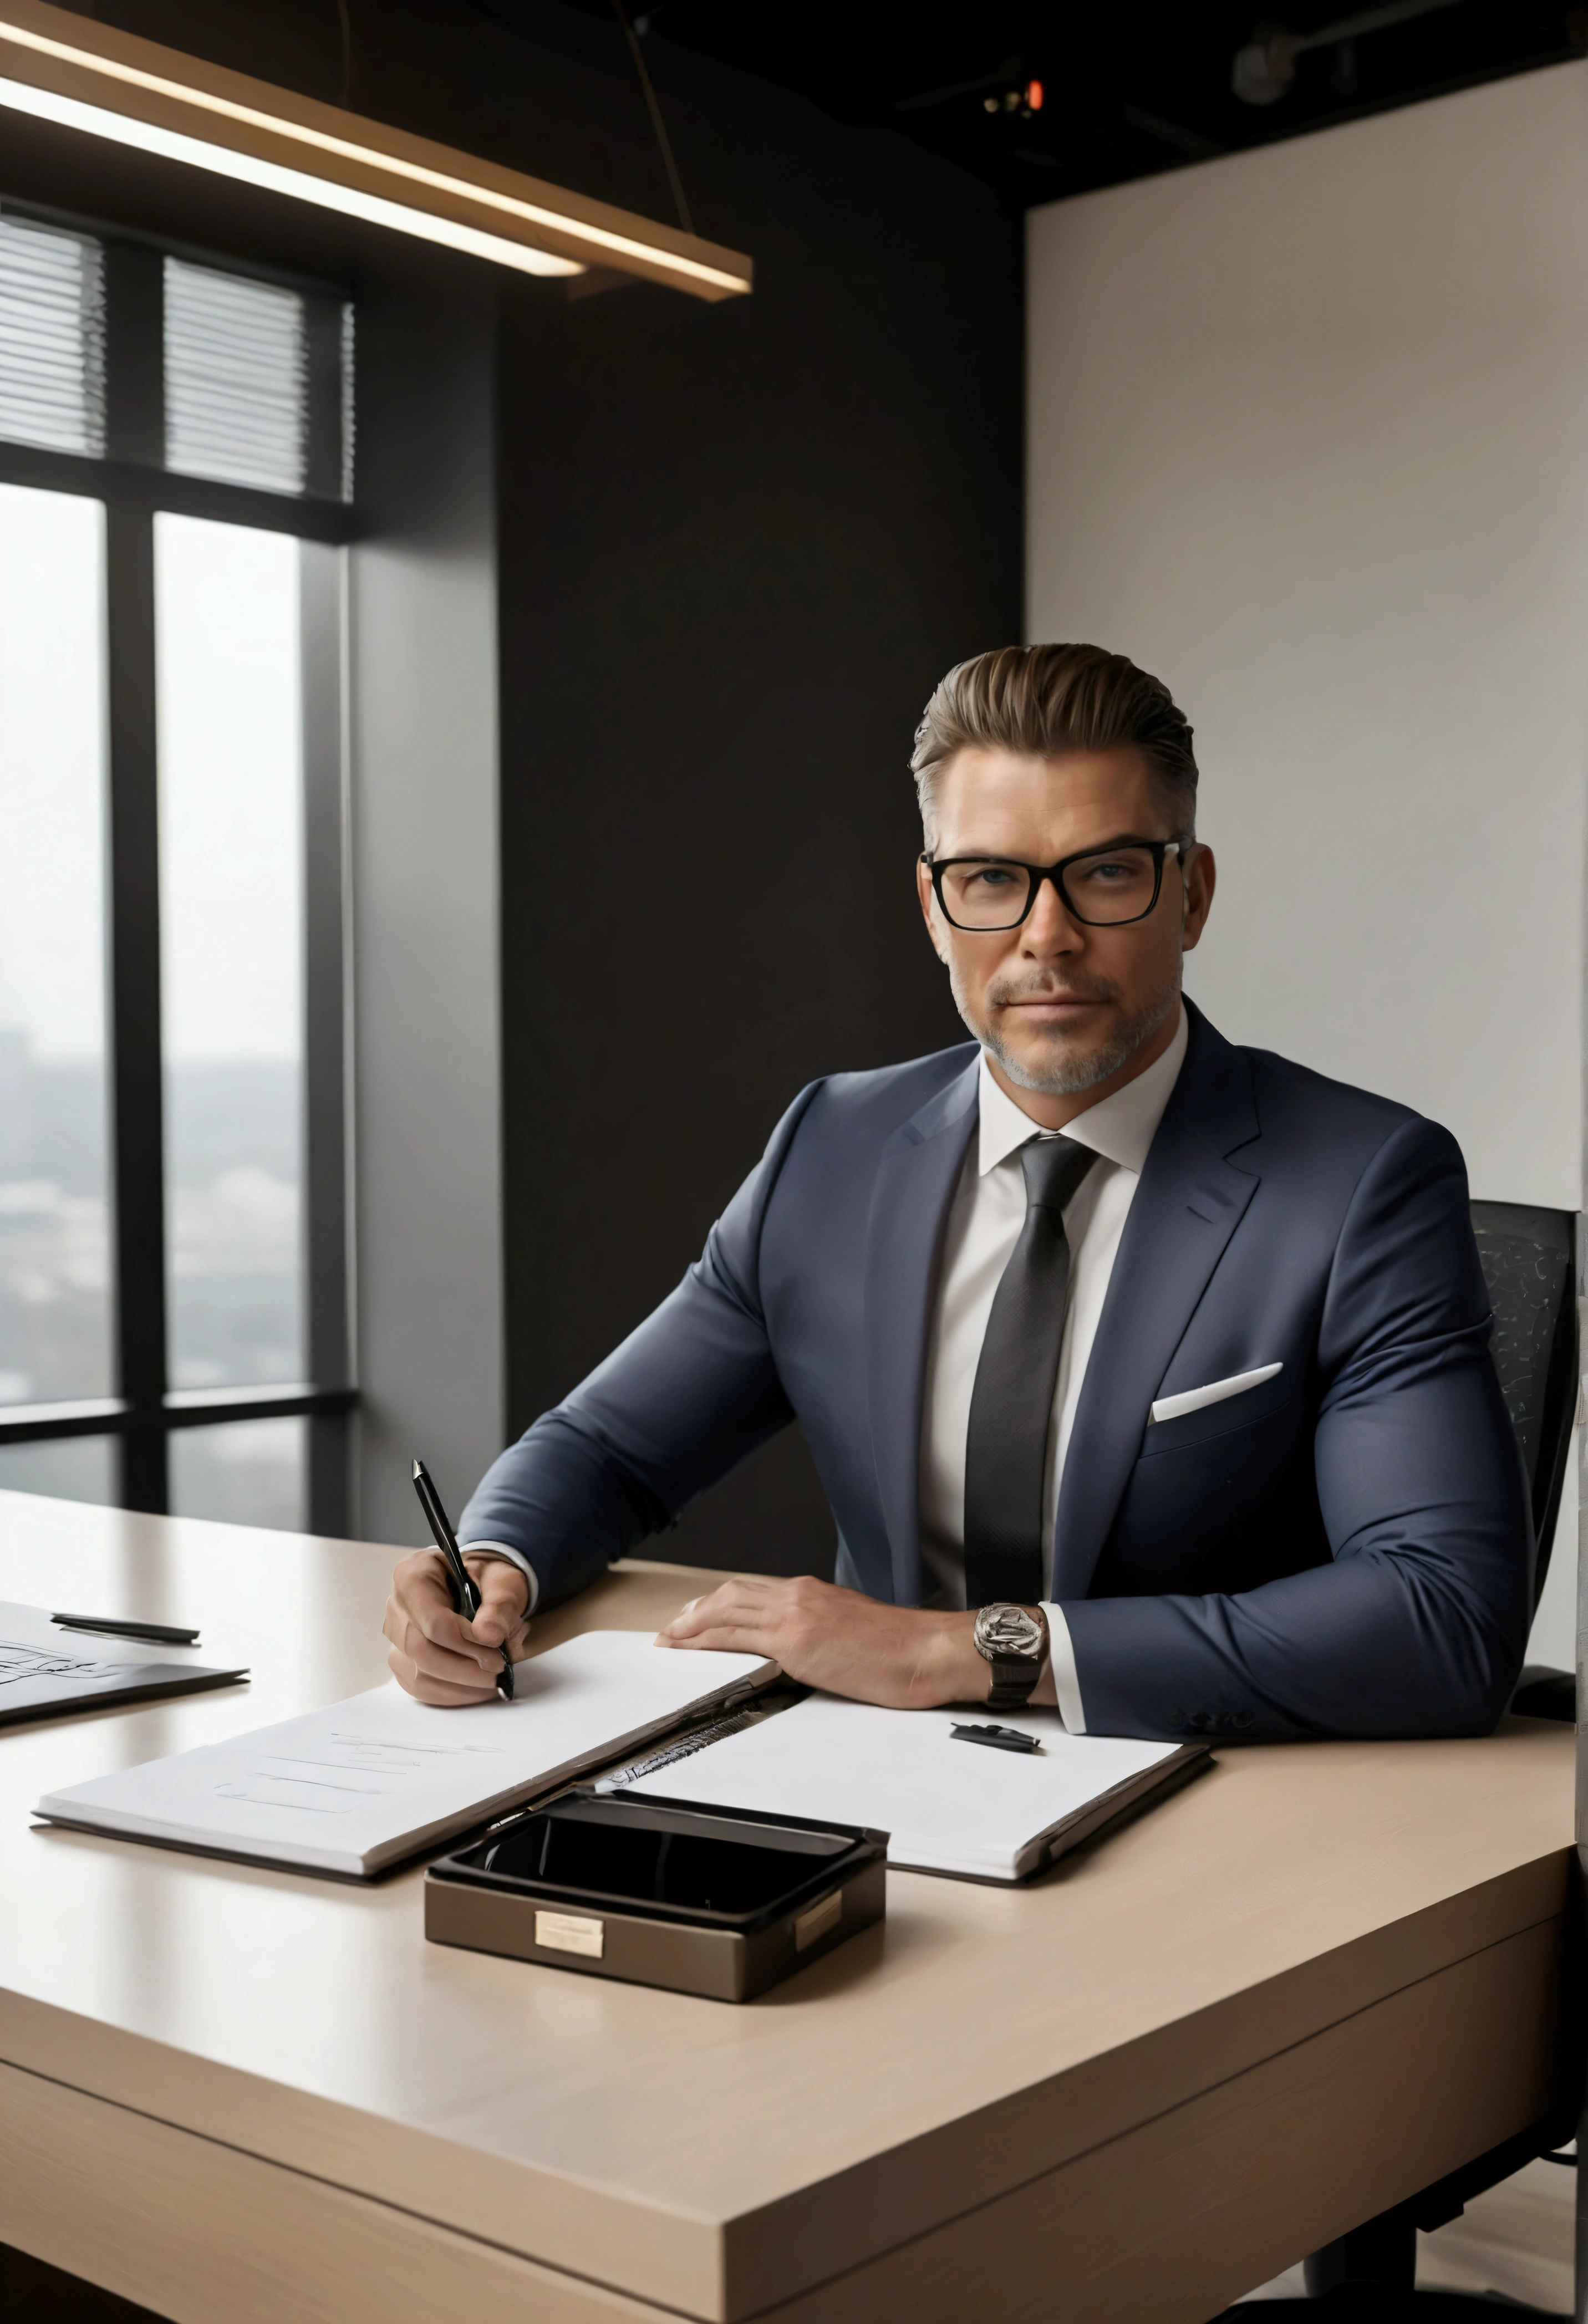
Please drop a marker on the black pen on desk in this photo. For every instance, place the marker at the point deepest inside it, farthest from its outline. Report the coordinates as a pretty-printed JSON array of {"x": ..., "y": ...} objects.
[
  {"x": 111, "y": 1626},
  {"x": 465, "y": 1597}
]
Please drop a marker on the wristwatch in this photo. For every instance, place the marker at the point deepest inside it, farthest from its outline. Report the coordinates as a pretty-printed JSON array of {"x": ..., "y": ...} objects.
[{"x": 1014, "y": 1642}]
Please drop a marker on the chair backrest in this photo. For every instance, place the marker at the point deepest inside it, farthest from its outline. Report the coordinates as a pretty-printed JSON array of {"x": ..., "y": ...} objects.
[{"x": 1528, "y": 1265}]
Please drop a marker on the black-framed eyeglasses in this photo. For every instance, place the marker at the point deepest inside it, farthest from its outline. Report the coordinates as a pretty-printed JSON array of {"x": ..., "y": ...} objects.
[{"x": 1103, "y": 887}]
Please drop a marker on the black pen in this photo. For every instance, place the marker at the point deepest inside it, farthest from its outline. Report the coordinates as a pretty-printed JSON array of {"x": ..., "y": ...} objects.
[
  {"x": 160, "y": 1634},
  {"x": 465, "y": 1597}
]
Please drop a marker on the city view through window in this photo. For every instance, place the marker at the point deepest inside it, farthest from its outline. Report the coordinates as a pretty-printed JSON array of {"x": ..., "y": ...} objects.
[
  {"x": 231, "y": 918},
  {"x": 55, "y": 1289},
  {"x": 176, "y": 450},
  {"x": 227, "y": 613}
]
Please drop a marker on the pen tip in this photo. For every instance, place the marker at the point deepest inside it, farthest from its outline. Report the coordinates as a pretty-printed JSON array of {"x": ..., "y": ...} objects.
[{"x": 417, "y": 1471}]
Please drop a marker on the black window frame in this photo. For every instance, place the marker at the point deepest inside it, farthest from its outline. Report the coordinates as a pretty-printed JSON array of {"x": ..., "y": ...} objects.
[{"x": 134, "y": 486}]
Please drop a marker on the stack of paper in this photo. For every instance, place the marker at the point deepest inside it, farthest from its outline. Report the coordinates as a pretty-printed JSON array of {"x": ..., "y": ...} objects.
[
  {"x": 949, "y": 1805},
  {"x": 358, "y": 1787}
]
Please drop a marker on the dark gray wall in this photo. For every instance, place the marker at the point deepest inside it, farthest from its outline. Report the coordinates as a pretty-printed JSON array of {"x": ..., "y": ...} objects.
[
  {"x": 738, "y": 545},
  {"x": 425, "y": 978}
]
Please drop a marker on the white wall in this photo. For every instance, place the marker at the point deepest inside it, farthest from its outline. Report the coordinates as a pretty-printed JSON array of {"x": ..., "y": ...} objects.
[
  {"x": 425, "y": 912},
  {"x": 1308, "y": 439}
]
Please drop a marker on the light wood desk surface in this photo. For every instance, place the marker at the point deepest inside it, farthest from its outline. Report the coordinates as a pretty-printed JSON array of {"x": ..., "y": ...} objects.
[{"x": 1310, "y": 1984}]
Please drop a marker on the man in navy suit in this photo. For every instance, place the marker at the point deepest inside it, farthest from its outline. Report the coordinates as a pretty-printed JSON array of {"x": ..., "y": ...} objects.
[{"x": 1147, "y": 1377}]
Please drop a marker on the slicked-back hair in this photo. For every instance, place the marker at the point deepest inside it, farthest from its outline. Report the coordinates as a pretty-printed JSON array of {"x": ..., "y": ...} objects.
[{"x": 1043, "y": 701}]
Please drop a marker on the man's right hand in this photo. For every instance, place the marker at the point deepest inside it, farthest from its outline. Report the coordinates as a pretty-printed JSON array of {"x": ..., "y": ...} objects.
[{"x": 434, "y": 1653}]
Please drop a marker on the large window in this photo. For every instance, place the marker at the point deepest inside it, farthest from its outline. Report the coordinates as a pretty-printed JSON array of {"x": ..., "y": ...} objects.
[{"x": 175, "y": 479}]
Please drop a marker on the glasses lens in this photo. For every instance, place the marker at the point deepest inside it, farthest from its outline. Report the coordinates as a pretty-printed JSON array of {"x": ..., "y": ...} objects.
[
  {"x": 1117, "y": 885},
  {"x": 985, "y": 894}
]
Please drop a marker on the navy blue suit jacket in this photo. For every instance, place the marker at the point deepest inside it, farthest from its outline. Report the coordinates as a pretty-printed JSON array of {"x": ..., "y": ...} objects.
[{"x": 1344, "y": 1550}]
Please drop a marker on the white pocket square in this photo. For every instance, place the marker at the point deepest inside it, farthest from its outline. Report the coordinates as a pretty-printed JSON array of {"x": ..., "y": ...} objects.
[{"x": 1171, "y": 1407}]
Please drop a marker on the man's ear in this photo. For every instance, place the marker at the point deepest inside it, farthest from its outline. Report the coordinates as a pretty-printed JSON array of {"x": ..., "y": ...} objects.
[{"x": 1201, "y": 879}]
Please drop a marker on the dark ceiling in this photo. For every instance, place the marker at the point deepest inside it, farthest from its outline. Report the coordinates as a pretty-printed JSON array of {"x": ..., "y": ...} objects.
[{"x": 1124, "y": 87}]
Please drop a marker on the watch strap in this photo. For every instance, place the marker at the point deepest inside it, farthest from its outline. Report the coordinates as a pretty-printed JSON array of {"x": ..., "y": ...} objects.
[{"x": 1013, "y": 1684}]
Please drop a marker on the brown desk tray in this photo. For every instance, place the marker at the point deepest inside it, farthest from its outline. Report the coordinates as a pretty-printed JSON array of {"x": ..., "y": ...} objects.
[{"x": 720, "y": 1964}]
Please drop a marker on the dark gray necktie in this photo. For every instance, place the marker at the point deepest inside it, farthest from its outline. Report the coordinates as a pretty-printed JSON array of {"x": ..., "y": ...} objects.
[{"x": 1012, "y": 1403}]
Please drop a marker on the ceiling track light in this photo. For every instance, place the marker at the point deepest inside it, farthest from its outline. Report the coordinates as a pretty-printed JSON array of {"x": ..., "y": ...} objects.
[
  {"x": 88, "y": 77},
  {"x": 1264, "y": 70}
]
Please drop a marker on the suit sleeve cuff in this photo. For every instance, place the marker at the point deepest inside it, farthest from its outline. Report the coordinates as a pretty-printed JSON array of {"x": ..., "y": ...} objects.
[
  {"x": 511, "y": 1557},
  {"x": 1067, "y": 1680}
]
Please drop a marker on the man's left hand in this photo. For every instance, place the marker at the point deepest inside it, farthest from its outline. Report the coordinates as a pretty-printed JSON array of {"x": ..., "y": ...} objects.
[{"x": 903, "y": 1656}]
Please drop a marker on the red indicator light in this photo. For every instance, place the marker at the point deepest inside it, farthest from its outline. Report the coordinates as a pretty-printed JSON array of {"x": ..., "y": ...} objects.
[{"x": 1034, "y": 96}]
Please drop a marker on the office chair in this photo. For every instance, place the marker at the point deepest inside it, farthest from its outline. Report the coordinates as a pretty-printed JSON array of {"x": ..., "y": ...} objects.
[
  {"x": 1528, "y": 1259},
  {"x": 1528, "y": 1265}
]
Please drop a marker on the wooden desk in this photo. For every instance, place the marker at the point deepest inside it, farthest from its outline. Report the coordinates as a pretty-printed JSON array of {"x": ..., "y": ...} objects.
[{"x": 1315, "y": 1981}]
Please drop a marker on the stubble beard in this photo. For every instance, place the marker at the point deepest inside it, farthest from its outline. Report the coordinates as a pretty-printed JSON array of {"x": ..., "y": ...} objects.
[{"x": 1067, "y": 1069}]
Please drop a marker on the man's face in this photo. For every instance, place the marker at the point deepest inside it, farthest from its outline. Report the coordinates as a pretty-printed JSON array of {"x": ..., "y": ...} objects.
[{"x": 1062, "y": 1006}]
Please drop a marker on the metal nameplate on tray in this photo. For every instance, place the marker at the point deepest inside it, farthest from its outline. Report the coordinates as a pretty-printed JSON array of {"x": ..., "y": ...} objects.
[
  {"x": 570, "y": 1933},
  {"x": 820, "y": 1918}
]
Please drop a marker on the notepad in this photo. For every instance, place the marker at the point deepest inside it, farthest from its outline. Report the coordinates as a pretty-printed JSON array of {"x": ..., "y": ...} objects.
[
  {"x": 948, "y": 1806},
  {"x": 47, "y": 1670},
  {"x": 356, "y": 1788}
]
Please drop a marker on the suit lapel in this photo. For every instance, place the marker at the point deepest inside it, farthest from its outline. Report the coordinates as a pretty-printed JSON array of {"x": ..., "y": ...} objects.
[
  {"x": 915, "y": 1184},
  {"x": 1188, "y": 1204}
]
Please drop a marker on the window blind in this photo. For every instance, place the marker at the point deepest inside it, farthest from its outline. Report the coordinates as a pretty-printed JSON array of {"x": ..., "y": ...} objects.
[
  {"x": 236, "y": 379},
  {"x": 51, "y": 338}
]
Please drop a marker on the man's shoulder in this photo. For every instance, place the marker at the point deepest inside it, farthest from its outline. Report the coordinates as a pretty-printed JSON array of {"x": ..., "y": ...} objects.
[
  {"x": 1303, "y": 1119},
  {"x": 1296, "y": 1102},
  {"x": 882, "y": 1099},
  {"x": 1285, "y": 1082}
]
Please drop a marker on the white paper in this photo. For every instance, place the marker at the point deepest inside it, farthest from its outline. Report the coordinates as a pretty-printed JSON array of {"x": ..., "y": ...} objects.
[
  {"x": 948, "y": 1806},
  {"x": 366, "y": 1782}
]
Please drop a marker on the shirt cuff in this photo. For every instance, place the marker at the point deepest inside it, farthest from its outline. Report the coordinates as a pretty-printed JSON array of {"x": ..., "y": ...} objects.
[
  {"x": 510, "y": 1557},
  {"x": 1066, "y": 1679}
]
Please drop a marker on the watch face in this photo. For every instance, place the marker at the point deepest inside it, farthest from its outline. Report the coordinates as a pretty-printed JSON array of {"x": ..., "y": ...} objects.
[{"x": 1009, "y": 1630}]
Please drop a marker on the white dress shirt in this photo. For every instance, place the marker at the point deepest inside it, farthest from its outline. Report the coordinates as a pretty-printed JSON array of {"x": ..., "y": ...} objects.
[{"x": 984, "y": 1224}]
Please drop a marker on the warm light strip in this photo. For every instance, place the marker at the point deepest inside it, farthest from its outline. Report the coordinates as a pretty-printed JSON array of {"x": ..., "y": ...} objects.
[
  {"x": 605, "y": 238},
  {"x": 175, "y": 145}
]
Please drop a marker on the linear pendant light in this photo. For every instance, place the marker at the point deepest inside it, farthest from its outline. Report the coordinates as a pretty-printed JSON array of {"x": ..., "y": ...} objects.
[{"x": 88, "y": 77}]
